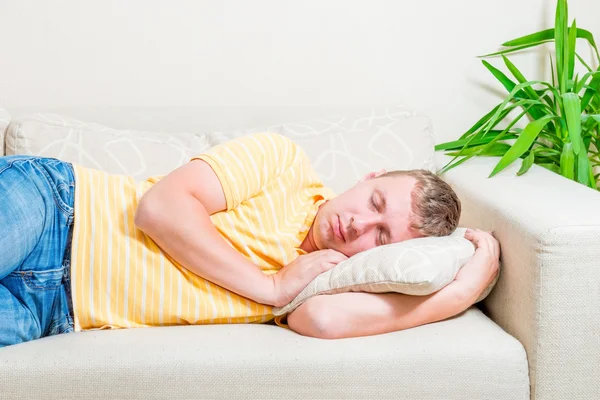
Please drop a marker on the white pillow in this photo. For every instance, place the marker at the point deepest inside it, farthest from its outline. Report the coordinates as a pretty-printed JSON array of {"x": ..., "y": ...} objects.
[
  {"x": 415, "y": 267},
  {"x": 343, "y": 143}
]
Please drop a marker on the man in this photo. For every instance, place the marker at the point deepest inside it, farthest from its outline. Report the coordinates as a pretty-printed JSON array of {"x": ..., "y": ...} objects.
[{"x": 237, "y": 230}]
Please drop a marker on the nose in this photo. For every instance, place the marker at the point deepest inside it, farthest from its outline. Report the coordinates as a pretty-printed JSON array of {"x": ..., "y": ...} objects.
[{"x": 363, "y": 224}]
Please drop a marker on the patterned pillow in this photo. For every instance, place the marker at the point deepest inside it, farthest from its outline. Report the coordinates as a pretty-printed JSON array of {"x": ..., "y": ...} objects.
[
  {"x": 4, "y": 121},
  {"x": 415, "y": 267},
  {"x": 343, "y": 144}
]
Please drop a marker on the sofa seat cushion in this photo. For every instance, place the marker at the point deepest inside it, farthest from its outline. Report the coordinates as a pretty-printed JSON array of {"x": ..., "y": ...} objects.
[{"x": 466, "y": 357}]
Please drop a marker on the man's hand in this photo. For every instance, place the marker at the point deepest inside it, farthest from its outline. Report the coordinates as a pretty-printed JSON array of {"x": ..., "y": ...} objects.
[
  {"x": 482, "y": 268},
  {"x": 295, "y": 276}
]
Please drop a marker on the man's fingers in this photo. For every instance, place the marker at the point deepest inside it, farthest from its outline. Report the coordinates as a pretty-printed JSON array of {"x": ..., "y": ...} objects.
[
  {"x": 484, "y": 240},
  {"x": 336, "y": 256}
]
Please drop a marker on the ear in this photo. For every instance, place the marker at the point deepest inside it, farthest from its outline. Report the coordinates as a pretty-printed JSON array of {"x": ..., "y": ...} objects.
[{"x": 372, "y": 175}]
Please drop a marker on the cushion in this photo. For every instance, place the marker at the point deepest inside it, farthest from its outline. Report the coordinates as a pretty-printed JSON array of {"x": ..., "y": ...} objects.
[
  {"x": 4, "y": 121},
  {"x": 343, "y": 144},
  {"x": 415, "y": 267},
  {"x": 466, "y": 357},
  {"x": 344, "y": 147}
]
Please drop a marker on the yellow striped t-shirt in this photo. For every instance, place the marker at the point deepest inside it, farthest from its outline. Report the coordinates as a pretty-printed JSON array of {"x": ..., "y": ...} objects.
[{"x": 120, "y": 278}]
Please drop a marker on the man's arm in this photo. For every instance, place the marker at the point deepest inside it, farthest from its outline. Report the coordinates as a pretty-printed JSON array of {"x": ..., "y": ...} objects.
[
  {"x": 175, "y": 213},
  {"x": 361, "y": 314}
]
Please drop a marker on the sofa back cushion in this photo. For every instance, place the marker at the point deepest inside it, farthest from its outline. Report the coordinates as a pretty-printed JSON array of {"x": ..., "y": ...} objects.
[
  {"x": 343, "y": 146},
  {"x": 4, "y": 121}
]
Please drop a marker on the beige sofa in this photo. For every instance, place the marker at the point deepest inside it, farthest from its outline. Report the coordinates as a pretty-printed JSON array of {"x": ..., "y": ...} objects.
[{"x": 536, "y": 336}]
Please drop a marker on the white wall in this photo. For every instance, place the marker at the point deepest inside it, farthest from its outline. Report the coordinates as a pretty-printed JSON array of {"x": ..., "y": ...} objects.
[{"x": 79, "y": 56}]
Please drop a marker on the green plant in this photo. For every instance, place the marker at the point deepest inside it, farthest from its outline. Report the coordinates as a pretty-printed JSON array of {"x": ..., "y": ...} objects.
[{"x": 562, "y": 133}]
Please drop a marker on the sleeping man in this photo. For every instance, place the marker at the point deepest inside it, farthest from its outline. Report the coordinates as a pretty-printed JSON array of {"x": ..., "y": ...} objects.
[{"x": 236, "y": 231}]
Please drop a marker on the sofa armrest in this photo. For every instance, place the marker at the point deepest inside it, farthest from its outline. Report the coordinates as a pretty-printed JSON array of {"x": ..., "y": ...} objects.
[
  {"x": 4, "y": 121},
  {"x": 548, "y": 294}
]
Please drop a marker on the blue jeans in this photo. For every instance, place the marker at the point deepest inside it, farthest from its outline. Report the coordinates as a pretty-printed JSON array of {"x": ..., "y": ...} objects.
[{"x": 36, "y": 221}]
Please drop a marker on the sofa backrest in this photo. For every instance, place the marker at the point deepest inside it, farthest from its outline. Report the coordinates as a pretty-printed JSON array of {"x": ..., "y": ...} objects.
[
  {"x": 4, "y": 121},
  {"x": 343, "y": 144}
]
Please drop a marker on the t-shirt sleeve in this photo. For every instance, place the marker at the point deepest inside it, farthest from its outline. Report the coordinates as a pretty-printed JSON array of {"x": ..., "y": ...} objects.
[{"x": 246, "y": 165}]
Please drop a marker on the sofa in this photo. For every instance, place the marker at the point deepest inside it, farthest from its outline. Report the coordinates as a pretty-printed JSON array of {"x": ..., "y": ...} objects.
[{"x": 536, "y": 336}]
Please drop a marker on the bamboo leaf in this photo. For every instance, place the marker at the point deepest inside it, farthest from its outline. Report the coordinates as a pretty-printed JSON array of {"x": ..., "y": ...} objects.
[
  {"x": 570, "y": 50},
  {"x": 583, "y": 168},
  {"x": 548, "y": 35},
  {"x": 582, "y": 61},
  {"x": 486, "y": 130},
  {"x": 480, "y": 123},
  {"x": 551, "y": 167},
  {"x": 513, "y": 49},
  {"x": 527, "y": 163},
  {"x": 457, "y": 144},
  {"x": 451, "y": 165},
  {"x": 519, "y": 77},
  {"x": 592, "y": 90},
  {"x": 560, "y": 42},
  {"x": 495, "y": 150},
  {"x": 583, "y": 82},
  {"x": 572, "y": 105},
  {"x": 523, "y": 143},
  {"x": 503, "y": 79},
  {"x": 509, "y": 85},
  {"x": 552, "y": 70},
  {"x": 567, "y": 161},
  {"x": 500, "y": 110}
]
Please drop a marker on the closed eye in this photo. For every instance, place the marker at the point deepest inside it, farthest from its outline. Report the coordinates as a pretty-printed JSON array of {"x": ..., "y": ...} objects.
[{"x": 373, "y": 203}]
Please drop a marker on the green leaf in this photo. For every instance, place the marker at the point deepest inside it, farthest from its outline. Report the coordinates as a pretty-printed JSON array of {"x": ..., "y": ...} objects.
[
  {"x": 509, "y": 85},
  {"x": 504, "y": 80},
  {"x": 546, "y": 152},
  {"x": 560, "y": 32},
  {"x": 570, "y": 50},
  {"x": 523, "y": 143},
  {"x": 486, "y": 130},
  {"x": 519, "y": 77},
  {"x": 513, "y": 49},
  {"x": 567, "y": 161},
  {"x": 572, "y": 105},
  {"x": 584, "y": 78},
  {"x": 550, "y": 166},
  {"x": 500, "y": 112},
  {"x": 527, "y": 163},
  {"x": 592, "y": 90},
  {"x": 552, "y": 70},
  {"x": 480, "y": 123},
  {"x": 583, "y": 168},
  {"x": 451, "y": 165},
  {"x": 494, "y": 150},
  {"x": 548, "y": 35},
  {"x": 582, "y": 61},
  {"x": 457, "y": 144}
]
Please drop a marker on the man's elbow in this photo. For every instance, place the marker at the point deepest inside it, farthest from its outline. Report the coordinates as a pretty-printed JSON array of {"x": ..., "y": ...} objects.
[
  {"x": 311, "y": 320},
  {"x": 145, "y": 215}
]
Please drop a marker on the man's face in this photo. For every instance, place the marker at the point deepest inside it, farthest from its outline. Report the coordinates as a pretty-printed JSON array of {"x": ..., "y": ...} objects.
[{"x": 371, "y": 213}]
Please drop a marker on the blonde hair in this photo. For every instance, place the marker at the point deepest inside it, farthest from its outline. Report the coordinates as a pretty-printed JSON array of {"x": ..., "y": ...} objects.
[{"x": 435, "y": 206}]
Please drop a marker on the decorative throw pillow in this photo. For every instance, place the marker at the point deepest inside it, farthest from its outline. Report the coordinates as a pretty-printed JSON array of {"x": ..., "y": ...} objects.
[{"x": 415, "y": 267}]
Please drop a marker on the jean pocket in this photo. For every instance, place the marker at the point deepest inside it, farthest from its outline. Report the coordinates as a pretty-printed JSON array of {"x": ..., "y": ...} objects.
[
  {"x": 60, "y": 326},
  {"x": 43, "y": 280}
]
